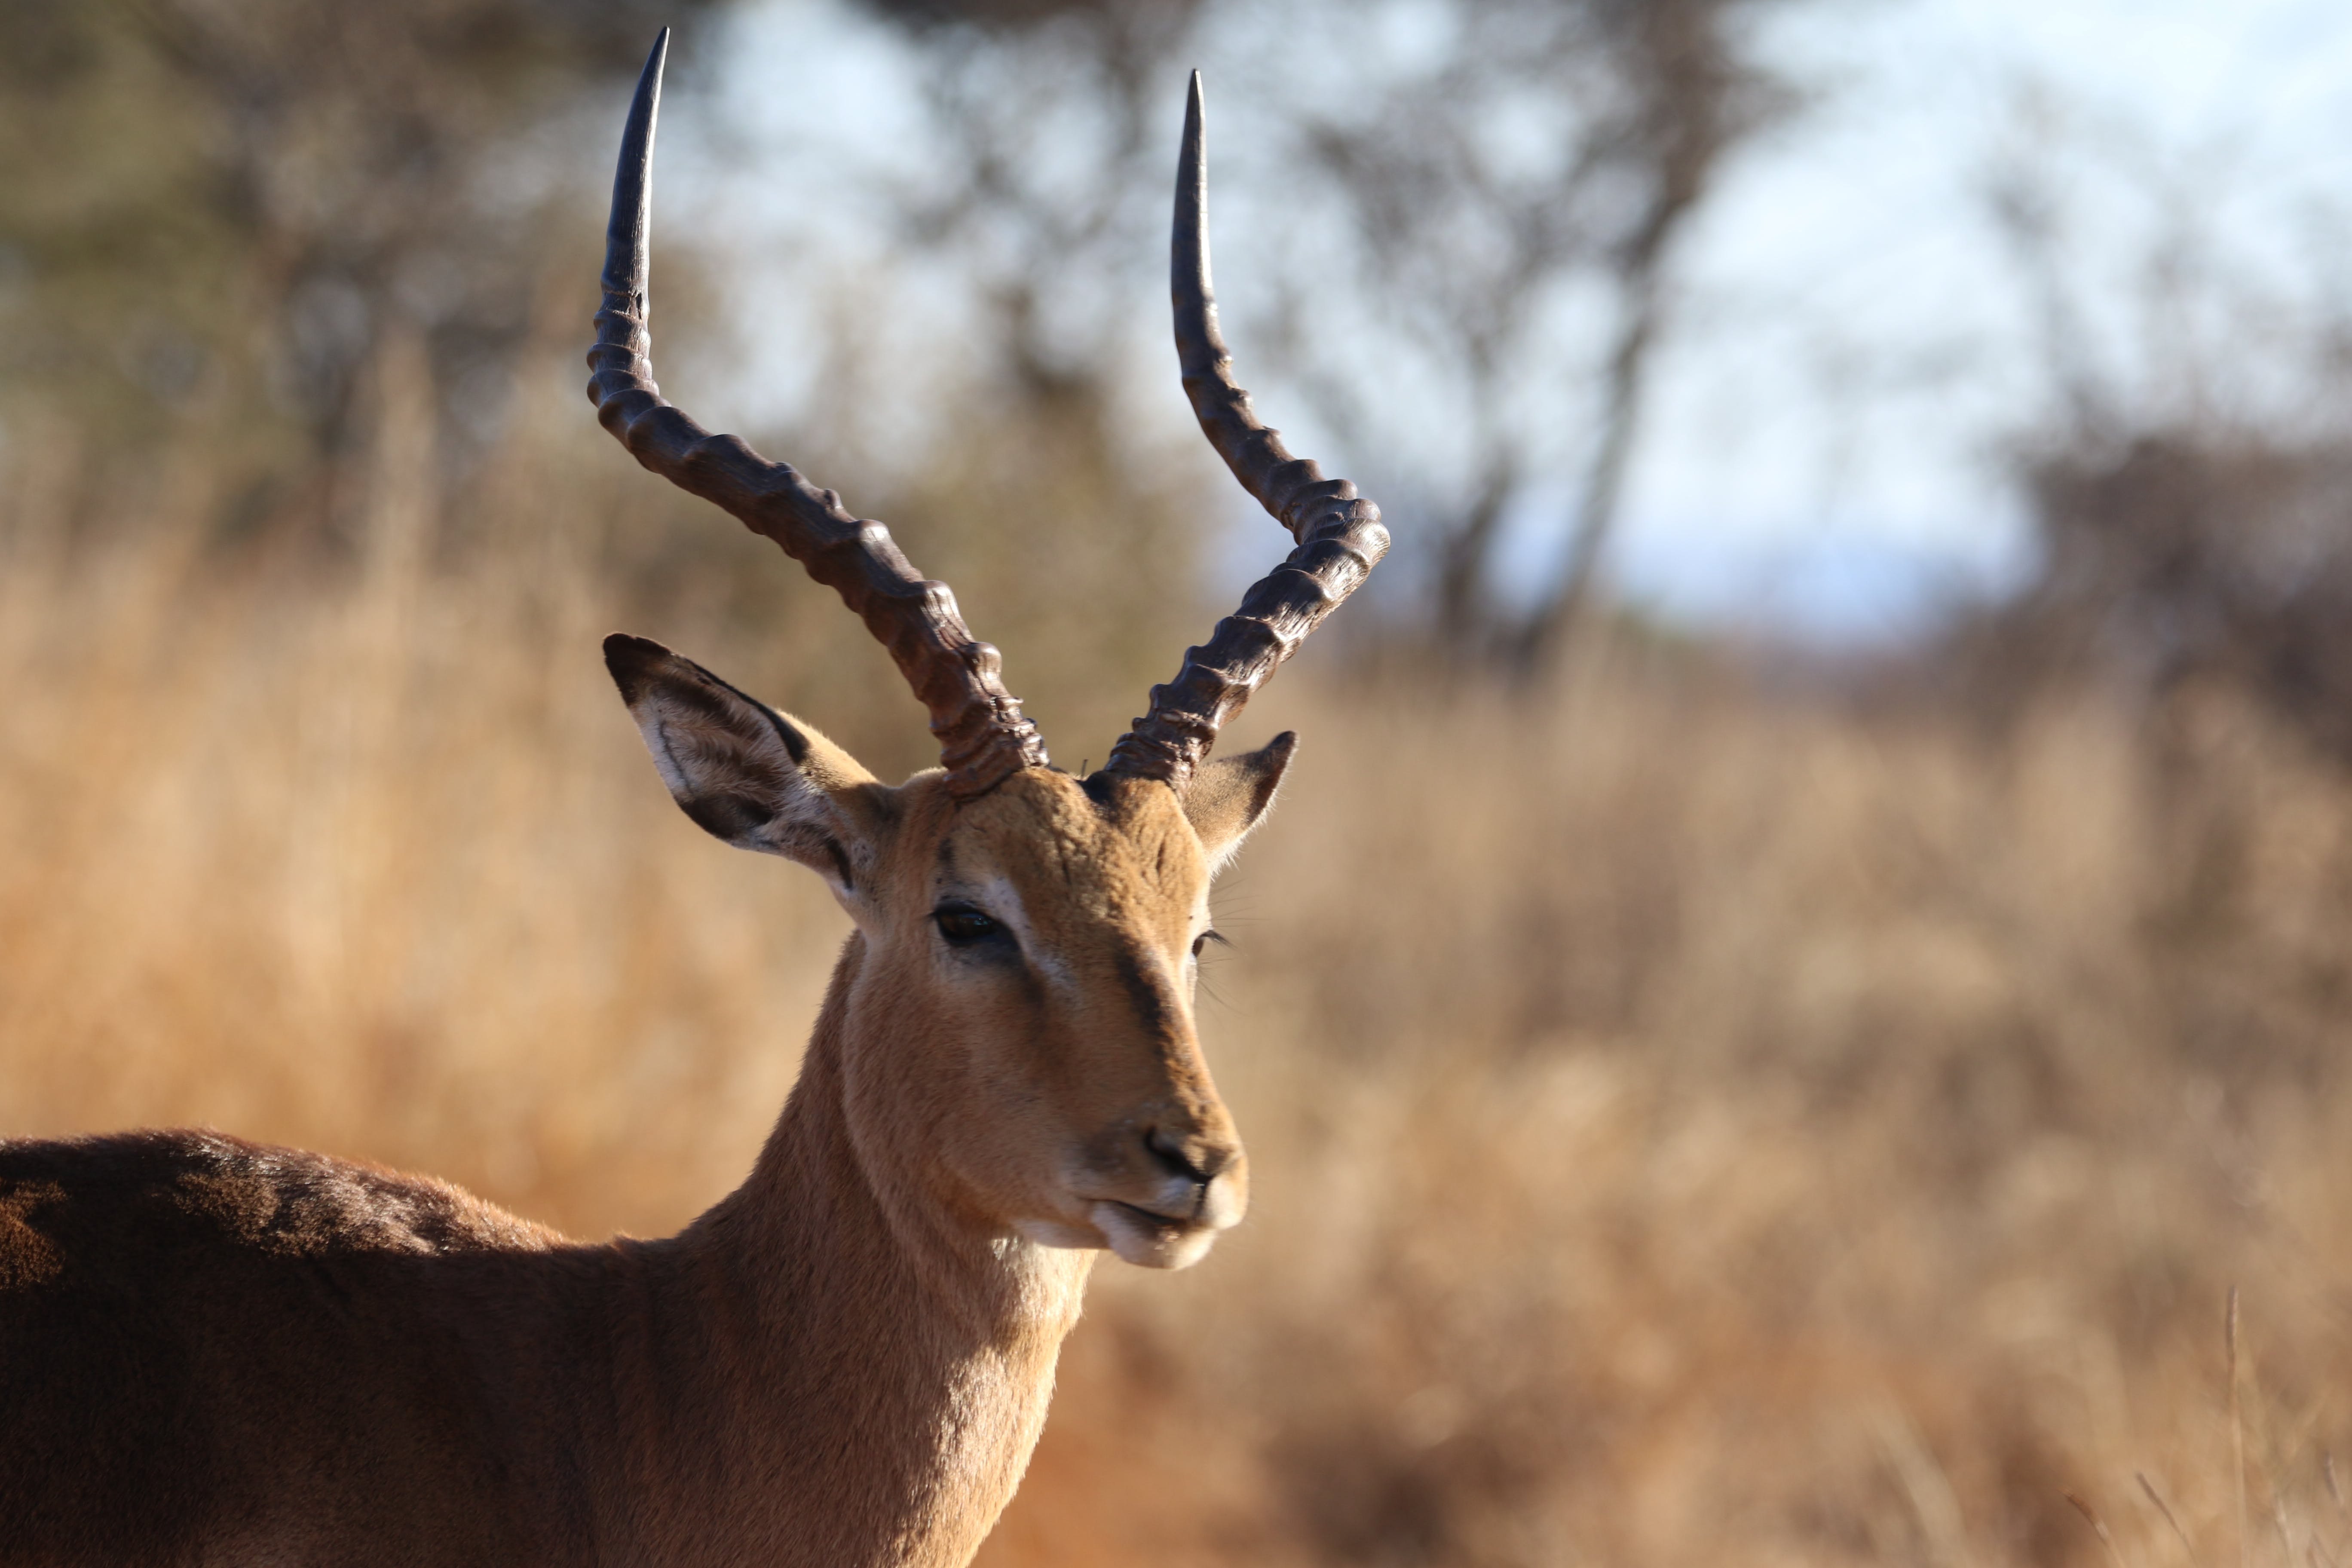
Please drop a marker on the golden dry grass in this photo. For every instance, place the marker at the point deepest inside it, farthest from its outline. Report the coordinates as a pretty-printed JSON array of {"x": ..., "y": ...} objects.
[{"x": 1689, "y": 1127}]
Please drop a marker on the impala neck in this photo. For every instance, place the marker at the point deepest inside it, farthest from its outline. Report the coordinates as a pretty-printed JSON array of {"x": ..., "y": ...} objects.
[{"x": 886, "y": 1361}]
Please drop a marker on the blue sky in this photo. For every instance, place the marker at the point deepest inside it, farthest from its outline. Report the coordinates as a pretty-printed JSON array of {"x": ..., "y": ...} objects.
[
  {"x": 1823, "y": 445},
  {"x": 1820, "y": 451}
]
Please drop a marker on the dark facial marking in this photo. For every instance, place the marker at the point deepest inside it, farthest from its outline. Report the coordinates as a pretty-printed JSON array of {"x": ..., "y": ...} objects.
[{"x": 1144, "y": 990}]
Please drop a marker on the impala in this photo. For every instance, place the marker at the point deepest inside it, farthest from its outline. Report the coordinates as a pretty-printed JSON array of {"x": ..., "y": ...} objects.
[{"x": 215, "y": 1351}]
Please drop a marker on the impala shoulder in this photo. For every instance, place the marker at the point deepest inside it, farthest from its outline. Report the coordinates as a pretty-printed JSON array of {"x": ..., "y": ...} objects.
[{"x": 166, "y": 1189}]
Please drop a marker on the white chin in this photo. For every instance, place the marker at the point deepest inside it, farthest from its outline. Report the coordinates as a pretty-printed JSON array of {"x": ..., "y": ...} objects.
[
  {"x": 1167, "y": 1244},
  {"x": 1053, "y": 1233}
]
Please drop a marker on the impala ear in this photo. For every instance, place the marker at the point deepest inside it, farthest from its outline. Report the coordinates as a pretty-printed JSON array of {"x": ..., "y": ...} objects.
[
  {"x": 744, "y": 772},
  {"x": 1229, "y": 796}
]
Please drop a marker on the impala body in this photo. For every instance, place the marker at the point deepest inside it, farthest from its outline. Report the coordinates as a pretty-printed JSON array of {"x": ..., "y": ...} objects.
[{"x": 212, "y": 1351}]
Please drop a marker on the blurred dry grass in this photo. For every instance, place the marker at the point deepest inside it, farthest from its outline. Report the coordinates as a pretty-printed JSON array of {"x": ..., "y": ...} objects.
[{"x": 1691, "y": 1126}]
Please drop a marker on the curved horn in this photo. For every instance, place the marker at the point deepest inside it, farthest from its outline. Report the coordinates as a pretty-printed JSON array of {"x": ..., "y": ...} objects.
[
  {"x": 1339, "y": 534},
  {"x": 982, "y": 735}
]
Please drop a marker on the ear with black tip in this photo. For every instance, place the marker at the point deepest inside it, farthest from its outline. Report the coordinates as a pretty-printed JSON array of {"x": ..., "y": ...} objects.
[
  {"x": 1229, "y": 796},
  {"x": 742, "y": 771}
]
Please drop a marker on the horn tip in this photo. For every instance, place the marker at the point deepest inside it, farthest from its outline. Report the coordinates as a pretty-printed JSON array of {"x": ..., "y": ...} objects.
[{"x": 656, "y": 59}]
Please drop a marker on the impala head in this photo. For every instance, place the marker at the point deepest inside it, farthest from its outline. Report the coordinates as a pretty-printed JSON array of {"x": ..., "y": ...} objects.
[{"x": 1020, "y": 1031}]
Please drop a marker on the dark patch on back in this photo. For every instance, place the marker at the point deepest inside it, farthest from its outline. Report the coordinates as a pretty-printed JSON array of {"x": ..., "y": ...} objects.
[
  {"x": 27, "y": 1256},
  {"x": 133, "y": 1268}
]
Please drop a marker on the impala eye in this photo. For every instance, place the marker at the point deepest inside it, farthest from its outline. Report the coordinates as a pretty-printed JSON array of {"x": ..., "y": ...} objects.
[
  {"x": 1205, "y": 937},
  {"x": 962, "y": 925}
]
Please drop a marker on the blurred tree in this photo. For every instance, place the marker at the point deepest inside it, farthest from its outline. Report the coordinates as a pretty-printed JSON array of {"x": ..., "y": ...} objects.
[
  {"x": 2172, "y": 555},
  {"x": 219, "y": 213},
  {"x": 1509, "y": 196},
  {"x": 1052, "y": 135},
  {"x": 1055, "y": 116},
  {"x": 228, "y": 218},
  {"x": 1515, "y": 193},
  {"x": 2189, "y": 474}
]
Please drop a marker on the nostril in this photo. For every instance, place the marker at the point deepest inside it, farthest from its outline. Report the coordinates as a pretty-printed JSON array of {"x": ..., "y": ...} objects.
[{"x": 1169, "y": 1154}]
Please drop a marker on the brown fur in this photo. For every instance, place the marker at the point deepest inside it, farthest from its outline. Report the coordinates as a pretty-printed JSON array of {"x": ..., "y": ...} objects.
[{"x": 214, "y": 1352}]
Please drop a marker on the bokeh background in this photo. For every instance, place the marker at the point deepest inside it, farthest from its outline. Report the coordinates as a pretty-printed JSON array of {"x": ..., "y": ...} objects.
[{"x": 1806, "y": 956}]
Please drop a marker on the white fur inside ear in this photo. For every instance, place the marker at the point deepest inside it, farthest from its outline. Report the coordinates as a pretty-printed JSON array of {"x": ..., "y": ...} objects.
[
  {"x": 735, "y": 782},
  {"x": 658, "y": 746},
  {"x": 732, "y": 764}
]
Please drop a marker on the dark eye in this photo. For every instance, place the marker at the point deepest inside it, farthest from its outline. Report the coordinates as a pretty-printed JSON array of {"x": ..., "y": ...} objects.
[
  {"x": 962, "y": 925},
  {"x": 1205, "y": 937}
]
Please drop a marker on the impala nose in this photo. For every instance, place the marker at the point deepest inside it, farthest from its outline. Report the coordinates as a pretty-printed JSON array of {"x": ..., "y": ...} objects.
[
  {"x": 1197, "y": 1158},
  {"x": 1175, "y": 1189},
  {"x": 1201, "y": 1176}
]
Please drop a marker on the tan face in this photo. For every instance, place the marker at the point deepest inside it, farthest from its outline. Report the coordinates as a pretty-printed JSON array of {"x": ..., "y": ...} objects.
[
  {"x": 1019, "y": 1027},
  {"x": 1028, "y": 995}
]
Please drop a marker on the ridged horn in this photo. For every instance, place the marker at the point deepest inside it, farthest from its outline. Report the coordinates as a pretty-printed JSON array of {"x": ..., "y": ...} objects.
[
  {"x": 1338, "y": 533},
  {"x": 983, "y": 736}
]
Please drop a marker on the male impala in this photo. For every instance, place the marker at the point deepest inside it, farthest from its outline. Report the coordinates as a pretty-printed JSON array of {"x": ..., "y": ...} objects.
[{"x": 215, "y": 1353}]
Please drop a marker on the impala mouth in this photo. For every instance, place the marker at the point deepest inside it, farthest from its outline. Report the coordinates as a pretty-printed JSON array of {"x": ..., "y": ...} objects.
[{"x": 1151, "y": 1239}]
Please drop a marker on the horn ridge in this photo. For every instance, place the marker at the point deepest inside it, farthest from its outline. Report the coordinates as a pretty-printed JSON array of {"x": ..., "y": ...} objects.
[
  {"x": 1339, "y": 534},
  {"x": 983, "y": 737}
]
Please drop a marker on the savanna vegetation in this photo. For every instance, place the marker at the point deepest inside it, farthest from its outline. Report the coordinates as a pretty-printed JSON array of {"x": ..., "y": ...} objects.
[{"x": 1703, "y": 1108}]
